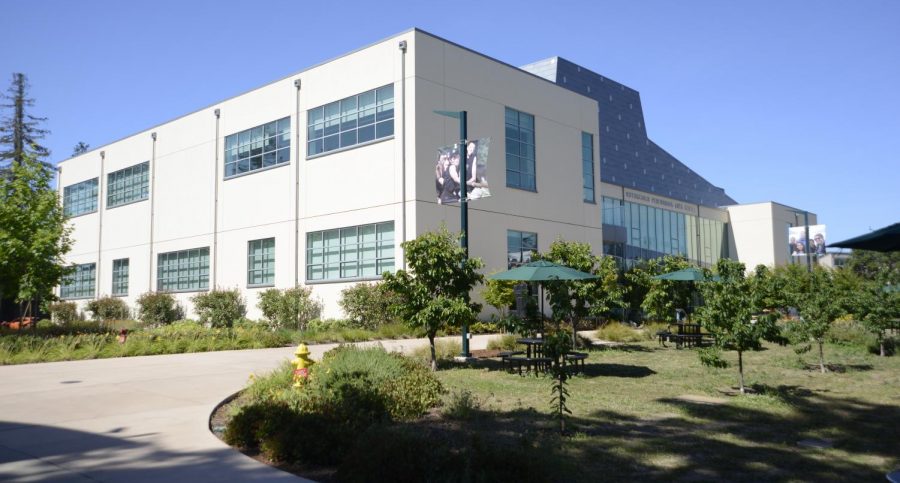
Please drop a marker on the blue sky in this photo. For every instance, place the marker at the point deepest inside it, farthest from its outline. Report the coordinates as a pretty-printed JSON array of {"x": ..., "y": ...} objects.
[{"x": 784, "y": 100}]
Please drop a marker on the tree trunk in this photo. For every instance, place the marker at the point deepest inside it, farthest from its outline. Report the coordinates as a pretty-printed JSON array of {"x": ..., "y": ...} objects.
[
  {"x": 741, "y": 369},
  {"x": 881, "y": 346},
  {"x": 433, "y": 356},
  {"x": 822, "y": 358}
]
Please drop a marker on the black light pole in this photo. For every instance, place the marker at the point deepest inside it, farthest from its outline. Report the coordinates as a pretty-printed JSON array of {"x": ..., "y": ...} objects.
[
  {"x": 806, "y": 242},
  {"x": 463, "y": 202}
]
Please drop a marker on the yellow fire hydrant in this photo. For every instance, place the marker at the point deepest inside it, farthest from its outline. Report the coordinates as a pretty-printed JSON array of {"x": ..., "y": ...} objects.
[{"x": 301, "y": 364}]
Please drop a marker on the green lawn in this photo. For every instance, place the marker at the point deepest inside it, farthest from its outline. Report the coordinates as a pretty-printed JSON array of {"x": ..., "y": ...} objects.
[{"x": 647, "y": 412}]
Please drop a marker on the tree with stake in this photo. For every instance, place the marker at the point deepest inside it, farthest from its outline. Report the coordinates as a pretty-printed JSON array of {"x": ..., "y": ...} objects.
[
  {"x": 434, "y": 293},
  {"x": 734, "y": 314},
  {"x": 819, "y": 303}
]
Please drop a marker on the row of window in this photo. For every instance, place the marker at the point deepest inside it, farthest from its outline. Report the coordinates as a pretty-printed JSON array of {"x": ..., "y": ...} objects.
[
  {"x": 634, "y": 231},
  {"x": 124, "y": 186},
  {"x": 356, "y": 252}
]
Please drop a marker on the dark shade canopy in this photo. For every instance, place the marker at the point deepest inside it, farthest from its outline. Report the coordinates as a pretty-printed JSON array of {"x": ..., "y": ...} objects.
[
  {"x": 689, "y": 274},
  {"x": 886, "y": 239},
  {"x": 541, "y": 271}
]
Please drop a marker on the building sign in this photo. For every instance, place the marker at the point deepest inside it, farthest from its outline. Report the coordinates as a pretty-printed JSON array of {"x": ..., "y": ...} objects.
[
  {"x": 664, "y": 203},
  {"x": 446, "y": 172},
  {"x": 800, "y": 245}
]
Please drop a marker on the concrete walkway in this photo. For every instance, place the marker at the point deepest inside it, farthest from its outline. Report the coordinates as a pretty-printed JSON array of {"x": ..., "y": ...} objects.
[{"x": 134, "y": 419}]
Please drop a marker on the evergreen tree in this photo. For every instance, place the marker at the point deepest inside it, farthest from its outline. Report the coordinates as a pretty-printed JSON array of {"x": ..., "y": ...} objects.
[
  {"x": 20, "y": 131},
  {"x": 80, "y": 148}
]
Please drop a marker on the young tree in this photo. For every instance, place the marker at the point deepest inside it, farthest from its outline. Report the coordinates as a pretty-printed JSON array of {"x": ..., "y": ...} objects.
[
  {"x": 574, "y": 300},
  {"x": 734, "y": 313},
  {"x": 434, "y": 293},
  {"x": 33, "y": 233},
  {"x": 659, "y": 298},
  {"x": 500, "y": 294},
  {"x": 878, "y": 309},
  {"x": 819, "y": 303},
  {"x": 19, "y": 130}
]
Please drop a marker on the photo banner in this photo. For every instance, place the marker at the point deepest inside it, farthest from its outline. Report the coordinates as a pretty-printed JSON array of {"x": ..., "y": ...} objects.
[
  {"x": 446, "y": 172},
  {"x": 799, "y": 245}
]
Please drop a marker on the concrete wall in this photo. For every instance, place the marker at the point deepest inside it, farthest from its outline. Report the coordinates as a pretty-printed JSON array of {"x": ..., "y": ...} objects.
[{"x": 760, "y": 232}]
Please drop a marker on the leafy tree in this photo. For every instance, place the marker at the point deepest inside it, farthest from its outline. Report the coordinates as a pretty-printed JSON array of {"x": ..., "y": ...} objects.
[
  {"x": 434, "y": 293},
  {"x": 20, "y": 131},
  {"x": 33, "y": 233},
  {"x": 659, "y": 298},
  {"x": 556, "y": 346},
  {"x": 878, "y": 309},
  {"x": 733, "y": 311},
  {"x": 500, "y": 294},
  {"x": 576, "y": 299},
  {"x": 876, "y": 266},
  {"x": 820, "y": 303},
  {"x": 80, "y": 148}
]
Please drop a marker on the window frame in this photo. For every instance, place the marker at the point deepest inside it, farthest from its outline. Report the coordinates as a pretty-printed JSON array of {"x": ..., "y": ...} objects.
[
  {"x": 331, "y": 256},
  {"x": 347, "y": 121},
  {"x": 71, "y": 189},
  {"x": 120, "y": 268},
  {"x": 233, "y": 144},
  {"x": 587, "y": 160},
  {"x": 520, "y": 236},
  {"x": 77, "y": 280},
  {"x": 516, "y": 144},
  {"x": 143, "y": 187},
  {"x": 201, "y": 270},
  {"x": 267, "y": 262}
]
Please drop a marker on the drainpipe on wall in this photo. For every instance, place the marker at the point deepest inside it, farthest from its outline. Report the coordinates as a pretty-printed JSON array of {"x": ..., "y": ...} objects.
[
  {"x": 152, "y": 210},
  {"x": 297, "y": 184},
  {"x": 99, "y": 225},
  {"x": 402, "y": 111},
  {"x": 215, "y": 267}
]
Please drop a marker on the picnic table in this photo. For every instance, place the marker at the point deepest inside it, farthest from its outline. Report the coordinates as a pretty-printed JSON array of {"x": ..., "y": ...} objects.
[
  {"x": 533, "y": 357},
  {"x": 684, "y": 335}
]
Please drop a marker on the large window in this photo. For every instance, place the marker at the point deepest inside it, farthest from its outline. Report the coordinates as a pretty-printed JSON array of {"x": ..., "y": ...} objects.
[
  {"x": 354, "y": 252},
  {"x": 355, "y": 120},
  {"x": 80, "y": 198},
  {"x": 587, "y": 166},
  {"x": 128, "y": 185},
  {"x": 120, "y": 277},
  {"x": 182, "y": 271},
  {"x": 80, "y": 283},
  {"x": 519, "y": 247},
  {"x": 261, "y": 262},
  {"x": 258, "y": 148},
  {"x": 520, "y": 150}
]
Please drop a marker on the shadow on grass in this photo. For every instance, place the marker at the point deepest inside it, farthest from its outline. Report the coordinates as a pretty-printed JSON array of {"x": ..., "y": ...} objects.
[{"x": 616, "y": 370}]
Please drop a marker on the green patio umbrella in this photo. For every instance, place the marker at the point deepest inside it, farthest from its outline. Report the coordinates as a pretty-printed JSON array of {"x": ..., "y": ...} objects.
[
  {"x": 690, "y": 274},
  {"x": 542, "y": 271},
  {"x": 886, "y": 239}
]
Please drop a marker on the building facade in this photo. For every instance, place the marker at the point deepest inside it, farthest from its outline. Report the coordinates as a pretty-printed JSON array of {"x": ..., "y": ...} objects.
[{"x": 317, "y": 179}]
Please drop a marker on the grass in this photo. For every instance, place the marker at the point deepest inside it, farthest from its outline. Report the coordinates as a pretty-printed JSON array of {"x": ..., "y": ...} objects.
[{"x": 632, "y": 420}]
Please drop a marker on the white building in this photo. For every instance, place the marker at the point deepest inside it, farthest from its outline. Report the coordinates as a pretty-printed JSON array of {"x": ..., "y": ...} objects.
[{"x": 317, "y": 178}]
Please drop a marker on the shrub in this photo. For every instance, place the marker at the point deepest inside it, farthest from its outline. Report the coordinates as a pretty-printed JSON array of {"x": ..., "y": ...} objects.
[
  {"x": 289, "y": 308},
  {"x": 155, "y": 308},
  {"x": 850, "y": 332},
  {"x": 617, "y": 332},
  {"x": 462, "y": 405},
  {"x": 63, "y": 312},
  {"x": 368, "y": 305},
  {"x": 484, "y": 328},
  {"x": 444, "y": 350},
  {"x": 506, "y": 342},
  {"x": 219, "y": 308},
  {"x": 108, "y": 308}
]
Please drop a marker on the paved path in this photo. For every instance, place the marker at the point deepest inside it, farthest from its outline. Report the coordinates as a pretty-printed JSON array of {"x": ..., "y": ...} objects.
[{"x": 133, "y": 419}]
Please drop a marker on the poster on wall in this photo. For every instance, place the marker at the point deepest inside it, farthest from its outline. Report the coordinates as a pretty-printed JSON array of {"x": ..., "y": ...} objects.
[
  {"x": 446, "y": 172},
  {"x": 800, "y": 245}
]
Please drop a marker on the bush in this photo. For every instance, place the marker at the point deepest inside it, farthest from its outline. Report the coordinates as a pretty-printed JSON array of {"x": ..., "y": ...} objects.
[
  {"x": 484, "y": 328},
  {"x": 156, "y": 308},
  {"x": 851, "y": 333},
  {"x": 368, "y": 305},
  {"x": 506, "y": 342},
  {"x": 108, "y": 308},
  {"x": 63, "y": 312},
  {"x": 219, "y": 308},
  {"x": 617, "y": 332},
  {"x": 289, "y": 308},
  {"x": 463, "y": 405}
]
